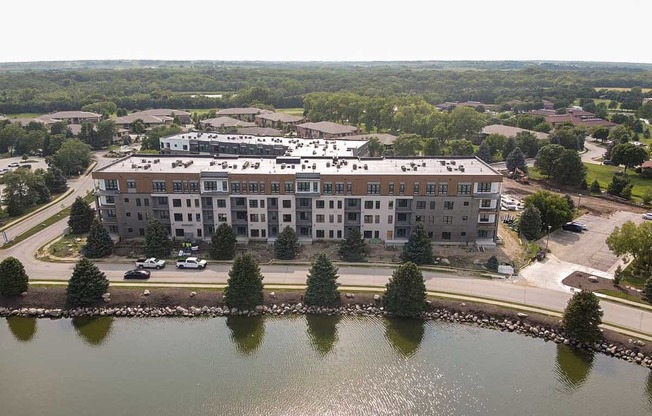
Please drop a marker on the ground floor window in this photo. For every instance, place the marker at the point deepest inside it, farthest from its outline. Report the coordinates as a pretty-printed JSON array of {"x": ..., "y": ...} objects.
[
  {"x": 446, "y": 235},
  {"x": 178, "y": 232},
  {"x": 367, "y": 234},
  {"x": 320, "y": 233}
]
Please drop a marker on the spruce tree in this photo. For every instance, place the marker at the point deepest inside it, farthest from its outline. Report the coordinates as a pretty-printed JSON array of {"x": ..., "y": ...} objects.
[
  {"x": 582, "y": 317},
  {"x": 157, "y": 243},
  {"x": 353, "y": 247},
  {"x": 55, "y": 180},
  {"x": 244, "y": 288},
  {"x": 81, "y": 216},
  {"x": 515, "y": 159},
  {"x": 530, "y": 223},
  {"x": 595, "y": 187},
  {"x": 322, "y": 282},
  {"x": 98, "y": 243},
  {"x": 492, "y": 263},
  {"x": 86, "y": 285},
  {"x": 418, "y": 249},
  {"x": 13, "y": 279},
  {"x": 223, "y": 243},
  {"x": 286, "y": 246},
  {"x": 406, "y": 291}
]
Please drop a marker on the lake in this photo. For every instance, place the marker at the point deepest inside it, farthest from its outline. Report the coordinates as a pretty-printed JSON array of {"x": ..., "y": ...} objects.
[{"x": 302, "y": 365}]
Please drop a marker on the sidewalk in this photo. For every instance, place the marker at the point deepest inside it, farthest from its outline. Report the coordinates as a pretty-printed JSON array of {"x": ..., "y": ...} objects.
[{"x": 550, "y": 272}]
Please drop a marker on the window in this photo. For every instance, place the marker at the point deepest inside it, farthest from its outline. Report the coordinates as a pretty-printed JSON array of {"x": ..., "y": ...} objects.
[
  {"x": 328, "y": 188},
  {"x": 177, "y": 186},
  {"x": 319, "y": 204},
  {"x": 484, "y": 218},
  {"x": 210, "y": 185},
  {"x": 483, "y": 233},
  {"x": 207, "y": 201},
  {"x": 402, "y": 217},
  {"x": 449, "y": 204},
  {"x": 443, "y": 188},
  {"x": 403, "y": 203},
  {"x": 339, "y": 219},
  {"x": 176, "y": 203},
  {"x": 140, "y": 216},
  {"x": 331, "y": 218},
  {"x": 162, "y": 200},
  {"x": 367, "y": 234},
  {"x": 390, "y": 219},
  {"x": 241, "y": 230},
  {"x": 273, "y": 202},
  {"x": 464, "y": 189},
  {"x": 466, "y": 203},
  {"x": 289, "y": 187},
  {"x": 158, "y": 186},
  {"x": 431, "y": 188},
  {"x": 113, "y": 229},
  {"x": 287, "y": 217},
  {"x": 419, "y": 218},
  {"x": 416, "y": 188},
  {"x": 339, "y": 188},
  {"x": 198, "y": 232},
  {"x": 189, "y": 217},
  {"x": 198, "y": 217},
  {"x": 146, "y": 201},
  {"x": 253, "y": 217},
  {"x": 188, "y": 203},
  {"x": 221, "y": 217},
  {"x": 131, "y": 184},
  {"x": 339, "y": 233},
  {"x": 431, "y": 219},
  {"x": 111, "y": 184},
  {"x": 331, "y": 234},
  {"x": 304, "y": 231},
  {"x": 196, "y": 203},
  {"x": 194, "y": 186},
  {"x": 368, "y": 219},
  {"x": 368, "y": 204},
  {"x": 255, "y": 233},
  {"x": 349, "y": 188},
  {"x": 178, "y": 217},
  {"x": 111, "y": 200},
  {"x": 305, "y": 202},
  {"x": 484, "y": 187},
  {"x": 262, "y": 191},
  {"x": 235, "y": 187},
  {"x": 421, "y": 204},
  {"x": 179, "y": 232},
  {"x": 446, "y": 235},
  {"x": 320, "y": 234},
  {"x": 276, "y": 187},
  {"x": 352, "y": 216},
  {"x": 253, "y": 203},
  {"x": 221, "y": 203},
  {"x": 241, "y": 215},
  {"x": 377, "y": 219},
  {"x": 287, "y": 203},
  {"x": 391, "y": 188},
  {"x": 486, "y": 203},
  {"x": 373, "y": 188},
  {"x": 390, "y": 205},
  {"x": 305, "y": 216},
  {"x": 141, "y": 231},
  {"x": 164, "y": 215},
  {"x": 432, "y": 204},
  {"x": 448, "y": 219},
  {"x": 319, "y": 218},
  {"x": 303, "y": 186},
  {"x": 126, "y": 199},
  {"x": 401, "y": 188},
  {"x": 339, "y": 204},
  {"x": 253, "y": 187}
]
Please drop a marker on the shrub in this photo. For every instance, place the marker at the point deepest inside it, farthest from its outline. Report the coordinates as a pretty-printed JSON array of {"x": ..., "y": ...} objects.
[
  {"x": 595, "y": 187},
  {"x": 353, "y": 247},
  {"x": 13, "y": 279},
  {"x": 618, "y": 275},
  {"x": 647, "y": 290},
  {"x": 492, "y": 263}
]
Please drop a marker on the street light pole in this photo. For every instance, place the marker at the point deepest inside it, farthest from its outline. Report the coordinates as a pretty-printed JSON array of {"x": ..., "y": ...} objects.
[
  {"x": 548, "y": 238},
  {"x": 579, "y": 199}
]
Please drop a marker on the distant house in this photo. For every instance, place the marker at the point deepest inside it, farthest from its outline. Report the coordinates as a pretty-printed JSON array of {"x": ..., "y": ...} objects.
[
  {"x": 149, "y": 121},
  {"x": 385, "y": 139},
  {"x": 508, "y": 131},
  {"x": 260, "y": 131},
  {"x": 224, "y": 123},
  {"x": 183, "y": 116},
  {"x": 74, "y": 117},
  {"x": 575, "y": 116},
  {"x": 548, "y": 105},
  {"x": 244, "y": 114},
  {"x": 325, "y": 130},
  {"x": 46, "y": 121},
  {"x": 278, "y": 120}
]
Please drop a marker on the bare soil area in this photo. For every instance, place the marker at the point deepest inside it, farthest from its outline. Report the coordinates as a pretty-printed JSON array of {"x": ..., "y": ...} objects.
[{"x": 581, "y": 280}]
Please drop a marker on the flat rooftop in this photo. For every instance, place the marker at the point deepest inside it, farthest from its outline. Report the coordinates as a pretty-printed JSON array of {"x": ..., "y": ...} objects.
[
  {"x": 291, "y": 165},
  {"x": 295, "y": 146}
]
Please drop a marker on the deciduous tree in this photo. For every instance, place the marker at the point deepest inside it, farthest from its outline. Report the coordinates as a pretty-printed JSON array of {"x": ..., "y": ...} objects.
[
  {"x": 555, "y": 210},
  {"x": 628, "y": 155},
  {"x": 633, "y": 240},
  {"x": 72, "y": 158}
]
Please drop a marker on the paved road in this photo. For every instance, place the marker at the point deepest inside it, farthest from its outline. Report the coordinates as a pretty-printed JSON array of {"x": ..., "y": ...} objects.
[
  {"x": 503, "y": 165},
  {"x": 593, "y": 152}
]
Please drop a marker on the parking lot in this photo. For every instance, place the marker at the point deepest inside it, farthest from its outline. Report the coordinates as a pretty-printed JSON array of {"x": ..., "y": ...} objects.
[
  {"x": 4, "y": 164},
  {"x": 589, "y": 248}
]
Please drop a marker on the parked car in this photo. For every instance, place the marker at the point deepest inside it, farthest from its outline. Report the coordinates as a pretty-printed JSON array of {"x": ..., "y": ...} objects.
[
  {"x": 150, "y": 263},
  {"x": 647, "y": 216},
  {"x": 191, "y": 263},
  {"x": 137, "y": 274},
  {"x": 14, "y": 164},
  {"x": 608, "y": 162},
  {"x": 571, "y": 226}
]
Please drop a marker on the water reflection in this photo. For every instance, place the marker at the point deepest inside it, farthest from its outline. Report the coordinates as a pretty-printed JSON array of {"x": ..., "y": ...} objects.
[
  {"x": 22, "y": 328},
  {"x": 573, "y": 366},
  {"x": 93, "y": 330},
  {"x": 322, "y": 331},
  {"x": 405, "y": 334},
  {"x": 648, "y": 389},
  {"x": 247, "y": 332}
]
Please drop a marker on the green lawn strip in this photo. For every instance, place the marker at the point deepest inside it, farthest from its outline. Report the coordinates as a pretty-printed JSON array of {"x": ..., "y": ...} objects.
[
  {"x": 23, "y": 115},
  {"x": 36, "y": 209},
  {"x": 292, "y": 111},
  {"x": 620, "y": 295},
  {"x": 604, "y": 173},
  {"x": 43, "y": 225}
]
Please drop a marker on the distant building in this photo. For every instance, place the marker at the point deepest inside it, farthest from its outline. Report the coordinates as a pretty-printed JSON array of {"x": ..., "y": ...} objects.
[
  {"x": 74, "y": 117},
  {"x": 224, "y": 122},
  {"x": 574, "y": 116},
  {"x": 548, "y": 105},
  {"x": 260, "y": 131},
  {"x": 509, "y": 131},
  {"x": 183, "y": 116},
  {"x": 148, "y": 120},
  {"x": 450, "y": 104},
  {"x": 244, "y": 114},
  {"x": 279, "y": 121},
  {"x": 325, "y": 130}
]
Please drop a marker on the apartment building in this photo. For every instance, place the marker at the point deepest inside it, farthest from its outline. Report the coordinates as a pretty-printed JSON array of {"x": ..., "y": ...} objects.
[{"x": 322, "y": 198}]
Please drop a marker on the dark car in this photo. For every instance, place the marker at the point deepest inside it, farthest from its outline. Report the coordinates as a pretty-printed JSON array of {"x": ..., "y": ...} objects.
[
  {"x": 137, "y": 274},
  {"x": 571, "y": 226},
  {"x": 608, "y": 162}
]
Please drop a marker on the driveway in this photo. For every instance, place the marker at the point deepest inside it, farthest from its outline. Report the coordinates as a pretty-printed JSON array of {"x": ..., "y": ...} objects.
[{"x": 593, "y": 152}]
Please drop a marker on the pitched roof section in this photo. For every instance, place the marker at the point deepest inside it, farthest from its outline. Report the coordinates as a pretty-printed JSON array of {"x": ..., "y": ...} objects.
[
  {"x": 72, "y": 114},
  {"x": 167, "y": 112},
  {"x": 219, "y": 122},
  {"x": 385, "y": 138},
  {"x": 282, "y": 117},
  {"x": 509, "y": 131},
  {"x": 329, "y": 127},
  {"x": 145, "y": 118},
  {"x": 260, "y": 131},
  {"x": 240, "y": 110}
]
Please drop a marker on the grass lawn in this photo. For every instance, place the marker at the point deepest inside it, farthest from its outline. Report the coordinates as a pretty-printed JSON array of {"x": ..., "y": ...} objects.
[
  {"x": 68, "y": 246},
  {"x": 199, "y": 111},
  {"x": 621, "y": 295},
  {"x": 291, "y": 111},
  {"x": 643, "y": 90},
  {"x": 24, "y": 115},
  {"x": 604, "y": 173}
]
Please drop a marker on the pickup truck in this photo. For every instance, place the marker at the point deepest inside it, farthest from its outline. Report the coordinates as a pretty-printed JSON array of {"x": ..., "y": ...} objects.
[
  {"x": 150, "y": 263},
  {"x": 191, "y": 263}
]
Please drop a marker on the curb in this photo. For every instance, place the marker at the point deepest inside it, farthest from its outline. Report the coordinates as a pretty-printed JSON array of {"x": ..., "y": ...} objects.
[{"x": 44, "y": 207}]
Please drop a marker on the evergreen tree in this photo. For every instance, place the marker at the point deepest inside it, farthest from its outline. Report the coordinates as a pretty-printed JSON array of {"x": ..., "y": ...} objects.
[
  {"x": 13, "y": 279},
  {"x": 81, "y": 216},
  {"x": 353, "y": 247},
  {"x": 418, "y": 249},
  {"x": 530, "y": 223},
  {"x": 55, "y": 180},
  {"x": 286, "y": 245},
  {"x": 157, "y": 243},
  {"x": 86, "y": 285},
  {"x": 508, "y": 147},
  {"x": 405, "y": 293},
  {"x": 484, "y": 153},
  {"x": 244, "y": 288},
  {"x": 223, "y": 243},
  {"x": 516, "y": 159},
  {"x": 647, "y": 290},
  {"x": 322, "y": 282},
  {"x": 595, "y": 187},
  {"x": 98, "y": 243},
  {"x": 492, "y": 263},
  {"x": 582, "y": 317}
]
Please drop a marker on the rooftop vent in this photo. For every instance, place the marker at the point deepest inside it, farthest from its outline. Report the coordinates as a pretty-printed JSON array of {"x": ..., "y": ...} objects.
[
  {"x": 174, "y": 165},
  {"x": 245, "y": 165},
  {"x": 355, "y": 166},
  {"x": 212, "y": 163},
  {"x": 366, "y": 167},
  {"x": 461, "y": 168},
  {"x": 403, "y": 168},
  {"x": 449, "y": 168}
]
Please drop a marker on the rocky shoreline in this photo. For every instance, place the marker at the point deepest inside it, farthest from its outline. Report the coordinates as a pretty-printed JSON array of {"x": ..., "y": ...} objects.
[{"x": 520, "y": 323}]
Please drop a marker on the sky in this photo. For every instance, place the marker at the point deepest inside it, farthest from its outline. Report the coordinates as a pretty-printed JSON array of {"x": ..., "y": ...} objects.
[{"x": 332, "y": 30}]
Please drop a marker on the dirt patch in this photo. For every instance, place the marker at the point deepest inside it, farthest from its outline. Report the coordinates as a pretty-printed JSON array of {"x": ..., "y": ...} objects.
[{"x": 581, "y": 280}]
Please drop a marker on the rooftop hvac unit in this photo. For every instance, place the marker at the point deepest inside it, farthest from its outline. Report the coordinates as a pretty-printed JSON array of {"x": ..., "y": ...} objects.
[
  {"x": 143, "y": 160},
  {"x": 314, "y": 166},
  {"x": 452, "y": 162},
  {"x": 282, "y": 165},
  {"x": 449, "y": 168},
  {"x": 235, "y": 166},
  {"x": 256, "y": 165},
  {"x": 355, "y": 166},
  {"x": 303, "y": 167},
  {"x": 328, "y": 164},
  {"x": 245, "y": 165},
  {"x": 174, "y": 165},
  {"x": 147, "y": 166},
  {"x": 212, "y": 163},
  {"x": 225, "y": 164},
  {"x": 423, "y": 164},
  {"x": 134, "y": 166},
  {"x": 366, "y": 167},
  {"x": 403, "y": 168},
  {"x": 443, "y": 162},
  {"x": 461, "y": 168},
  {"x": 415, "y": 167},
  {"x": 157, "y": 160}
]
